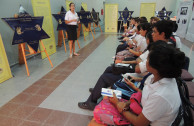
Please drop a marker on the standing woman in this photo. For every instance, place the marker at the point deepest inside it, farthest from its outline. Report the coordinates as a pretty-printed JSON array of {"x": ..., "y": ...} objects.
[{"x": 71, "y": 19}]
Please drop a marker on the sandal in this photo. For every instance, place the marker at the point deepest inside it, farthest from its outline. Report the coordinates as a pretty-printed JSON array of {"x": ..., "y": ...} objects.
[
  {"x": 76, "y": 54},
  {"x": 70, "y": 56}
]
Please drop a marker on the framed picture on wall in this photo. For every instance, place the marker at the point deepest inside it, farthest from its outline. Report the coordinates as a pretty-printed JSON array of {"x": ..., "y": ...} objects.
[{"x": 184, "y": 10}]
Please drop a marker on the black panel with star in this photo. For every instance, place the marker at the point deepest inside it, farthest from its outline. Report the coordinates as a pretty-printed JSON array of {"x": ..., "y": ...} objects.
[
  {"x": 84, "y": 16},
  {"x": 27, "y": 29},
  {"x": 125, "y": 15},
  {"x": 95, "y": 16},
  {"x": 60, "y": 18},
  {"x": 163, "y": 14}
]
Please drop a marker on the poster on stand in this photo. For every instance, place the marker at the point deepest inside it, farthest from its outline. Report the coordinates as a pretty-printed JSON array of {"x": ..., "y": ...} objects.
[
  {"x": 85, "y": 7},
  {"x": 190, "y": 31},
  {"x": 27, "y": 29},
  {"x": 164, "y": 14},
  {"x": 183, "y": 17},
  {"x": 111, "y": 17},
  {"x": 42, "y": 8},
  {"x": 5, "y": 72},
  {"x": 60, "y": 19}
]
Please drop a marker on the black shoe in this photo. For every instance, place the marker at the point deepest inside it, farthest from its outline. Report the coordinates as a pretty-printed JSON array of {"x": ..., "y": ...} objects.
[
  {"x": 85, "y": 105},
  {"x": 120, "y": 38},
  {"x": 122, "y": 41},
  {"x": 91, "y": 89}
]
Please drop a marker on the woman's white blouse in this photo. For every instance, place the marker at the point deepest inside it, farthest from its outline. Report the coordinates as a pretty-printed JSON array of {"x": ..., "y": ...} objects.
[{"x": 70, "y": 16}]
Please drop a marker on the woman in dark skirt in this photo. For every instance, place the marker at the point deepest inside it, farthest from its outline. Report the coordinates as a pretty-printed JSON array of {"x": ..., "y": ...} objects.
[{"x": 71, "y": 19}]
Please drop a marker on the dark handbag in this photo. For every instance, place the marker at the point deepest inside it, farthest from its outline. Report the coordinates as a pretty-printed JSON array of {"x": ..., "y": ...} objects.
[{"x": 130, "y": 58}]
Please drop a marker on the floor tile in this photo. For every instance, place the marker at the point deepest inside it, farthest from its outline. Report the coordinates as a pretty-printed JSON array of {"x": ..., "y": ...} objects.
[
  {"x": 46, "y": 91},
  {"x": 81, "y": 120},
  {"x": 23, "y": 112},
  {"x": 35, "y": 100},
  {"x": 21, "y": 98},
  {"x": 39, "y": 115},
  {"x": 8, "y": 121},
  {"x": 58, "y": 118},
  {"x": 28, "y": 123},
  {"x": 9, "y": 108},
  {"x": 32, "y": 90}
]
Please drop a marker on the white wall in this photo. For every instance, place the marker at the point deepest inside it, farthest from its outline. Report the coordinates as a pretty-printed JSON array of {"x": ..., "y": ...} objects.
[{"x": 134, "y": 5}]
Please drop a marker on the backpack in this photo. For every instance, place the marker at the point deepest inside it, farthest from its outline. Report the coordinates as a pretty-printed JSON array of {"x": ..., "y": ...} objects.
[
  {"x": 186, "y": 106},
  {"x": 106, "y": 113}
]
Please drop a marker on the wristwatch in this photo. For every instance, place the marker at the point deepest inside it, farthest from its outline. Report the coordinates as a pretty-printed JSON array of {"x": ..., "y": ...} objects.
[{"x": 124, "y": 109}]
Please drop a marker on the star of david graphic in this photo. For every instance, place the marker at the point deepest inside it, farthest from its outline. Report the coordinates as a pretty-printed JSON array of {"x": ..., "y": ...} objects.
[
  {"x": 84, "y": 16},
  {"x": 163, "y": 14},
  {"x": 95, "y": 16},
  {"x": 125, "y": 15},
  {"x": 60, "y": 18}
]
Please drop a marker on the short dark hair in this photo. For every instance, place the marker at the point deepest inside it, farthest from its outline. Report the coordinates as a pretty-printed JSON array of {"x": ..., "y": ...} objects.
[
  {"x": 175, "y": 26},
  {"x": 70, "y": 5},
  {"x": 143, "y": 18},
  {"x": 155, "y": 44},
  {"x": 167, "y": 61},
  {"x": 164, "y": 26},
  {"x": 139, "y": 27},
  {"x": 136, "y": 19},
  {"x": 146, "y": 26},
  {"x": 149, "y": 36}
]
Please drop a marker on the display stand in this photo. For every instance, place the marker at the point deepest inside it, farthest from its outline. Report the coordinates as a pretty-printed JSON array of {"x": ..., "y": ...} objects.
[
  {"x": 94, "y": 26},
  {"x": 61, "y": 38},
  {"x": 32, "y": 52},
  {"x": 21, "y": 58},
  {"x": 87, "y": 29}
]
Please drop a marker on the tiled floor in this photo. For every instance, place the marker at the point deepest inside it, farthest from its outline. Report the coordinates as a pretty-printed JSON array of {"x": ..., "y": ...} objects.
[{"x": 49, "y": 96}]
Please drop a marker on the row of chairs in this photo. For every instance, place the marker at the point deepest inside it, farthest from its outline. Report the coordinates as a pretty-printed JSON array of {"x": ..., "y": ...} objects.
[{"x": 186, "y": 88}]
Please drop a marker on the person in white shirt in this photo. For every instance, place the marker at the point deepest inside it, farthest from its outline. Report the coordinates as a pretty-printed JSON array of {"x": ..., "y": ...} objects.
[
  {"x": 178, "y": 40},
  {"x": 162, "y": 30},
  {"x": 71, "y": 19},
  {"x": 140, "y": 43},
  {"x": 160, "y": 95}
]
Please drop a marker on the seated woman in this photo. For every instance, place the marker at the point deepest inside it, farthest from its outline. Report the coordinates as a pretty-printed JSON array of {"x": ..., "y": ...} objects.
[
  {"x": 160, "y": 95},
  {"x": 131, "y": 30},
  {"x": 130, "y": 33},
  {"x": 125, "y": 44},
  {"x": 143, "y": 56},
  {"x": 140, "y": 44}
]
